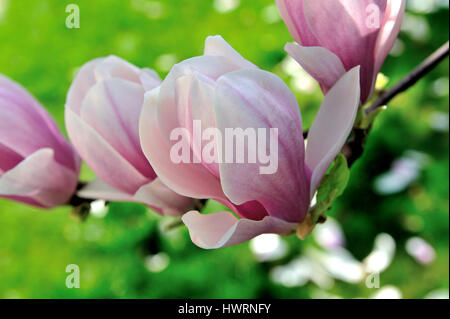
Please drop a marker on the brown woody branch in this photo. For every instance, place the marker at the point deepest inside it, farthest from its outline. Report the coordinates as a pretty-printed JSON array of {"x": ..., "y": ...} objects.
[{"x": 423, "y": 69}]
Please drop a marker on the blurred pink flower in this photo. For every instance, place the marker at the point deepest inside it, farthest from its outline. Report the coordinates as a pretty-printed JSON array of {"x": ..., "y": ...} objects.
[
  {"x": 37, "y": 165},
  {"x": 334, "y": 36},
  {"x": 223, "y": 90},
  {"x": 420, "y": 250},
  {"x": 102, "y": 116}
]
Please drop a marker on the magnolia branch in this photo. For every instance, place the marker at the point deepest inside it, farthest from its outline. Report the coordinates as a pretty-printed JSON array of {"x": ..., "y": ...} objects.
[
  {"x": 408, "y": 81},
  {"x": 423, "y": 69},
  {"x": 355, "y": 146},
  {"x": 352, "y": 150}
]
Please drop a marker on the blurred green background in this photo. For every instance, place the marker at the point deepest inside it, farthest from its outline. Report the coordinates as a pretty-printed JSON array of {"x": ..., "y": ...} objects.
[{"x": 393, "y": 218}]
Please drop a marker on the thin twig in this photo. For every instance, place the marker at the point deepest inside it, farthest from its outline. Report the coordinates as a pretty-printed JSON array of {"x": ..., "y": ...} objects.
[
  {"x": 77, "y": 201},
  {"x": 409, "y": 80},
  {"x": 424, "y": 68},
  {"x": 200, "y": 204},
  {"x": 354, "y": 148},
  {"x": 175, "y": 224}
]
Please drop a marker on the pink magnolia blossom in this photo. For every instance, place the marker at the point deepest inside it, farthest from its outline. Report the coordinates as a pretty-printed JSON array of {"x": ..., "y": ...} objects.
[
  {"x": 334, "y": 36},
  {"x": 102, "y": 116},
  {"x": 223, "y": 90},
  {"x": 37, "y": 165}
]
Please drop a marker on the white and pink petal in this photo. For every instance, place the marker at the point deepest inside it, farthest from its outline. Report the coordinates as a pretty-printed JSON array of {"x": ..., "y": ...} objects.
[
  {"x": 332, "y": 125},
  {"x": 256, "y": 99},
  {"x": 223, "y": 229}
]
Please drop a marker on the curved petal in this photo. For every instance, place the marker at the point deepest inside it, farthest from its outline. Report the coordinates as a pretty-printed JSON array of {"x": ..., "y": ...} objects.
[
  {"x": 170, "y": 111},
  {"x": 83, "y": 81},
  {"x": 154, "y": 194},
  {"x": 256, "y": 99},
  {"x": 332, "y": 125},
  {"x": 115, "y": 67},
  {"x": 223, "y": 229},
  {"x": 388, "y": 34},
  {"x": 389, "y": 31},
  {"x": 112, "y": 108},
  {"x": 8, "y": 158},
  {"x": 354, "y": 41},
  {"x": 294, "y": 17},
  {"x": 97, "y": 189},
  {"x": 149, "y": 79},
  {"x": 105, "y": 68},
  {"x": 217, "y": 46},
  {"x": 27, "y": 127},
  {"x": 188, "y": 179},
  {"x": 322, "y": 64},
  {"x": 196, "y": 98},
  {"x": 104, "y": 160},
  {"x": 164, "y": 200},
  {"x": 41, "y": 179}
]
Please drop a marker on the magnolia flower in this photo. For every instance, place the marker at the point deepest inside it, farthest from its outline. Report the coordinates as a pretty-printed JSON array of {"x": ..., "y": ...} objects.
[
  {"x": 224, "y": 91},
  {"x": 37, "y": 165},
  {"x": 334, "y": 36},
  {"x": 102, "y": 115}
]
